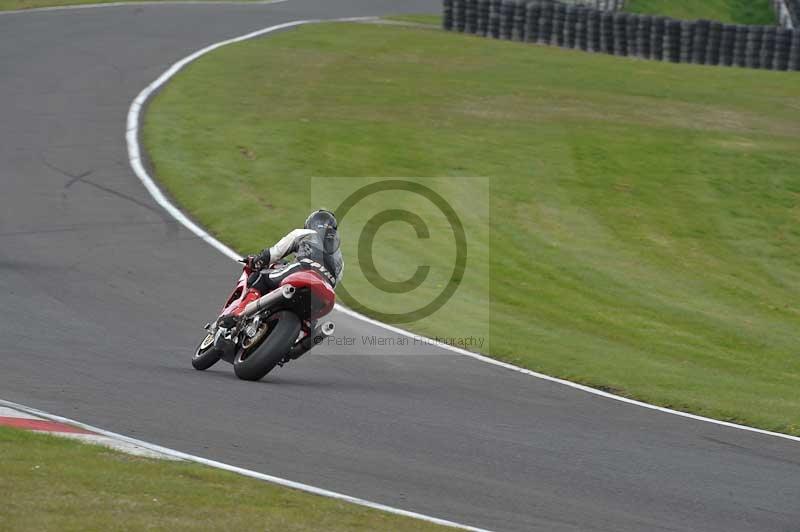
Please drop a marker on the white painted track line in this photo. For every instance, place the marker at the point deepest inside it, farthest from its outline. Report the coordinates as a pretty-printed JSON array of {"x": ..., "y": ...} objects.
[
  {"x": 239, "y": 470},
  {"x": 117, "y": 445},
  {"x": 134, "y": 155},
  {"x": 10, "y": 412},
  {"x": 62, "y": 430}
]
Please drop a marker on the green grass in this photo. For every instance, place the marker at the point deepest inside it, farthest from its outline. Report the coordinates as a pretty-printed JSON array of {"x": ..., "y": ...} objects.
[
  {"x": 51, "y": 483},
  {"x": 644, "y": 232},
  {"x": 13, "y": 5},
  {"x": 422, "y": 18},
  {"x": 730, "y": 11}
]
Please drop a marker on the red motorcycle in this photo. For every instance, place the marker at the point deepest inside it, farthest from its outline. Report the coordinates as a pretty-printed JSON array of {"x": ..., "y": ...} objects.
[{"x": 257, "y": 332}]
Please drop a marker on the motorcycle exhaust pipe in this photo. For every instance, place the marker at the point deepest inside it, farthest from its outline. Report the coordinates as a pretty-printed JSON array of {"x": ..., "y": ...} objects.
[
  {"x": 228, "y": 347},
  {"x": 319, "y": 334},
  {"x": 284, "y": 292}
]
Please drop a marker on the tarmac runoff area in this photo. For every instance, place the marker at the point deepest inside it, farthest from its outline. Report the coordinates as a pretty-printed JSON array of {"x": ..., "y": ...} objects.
[{"x": 124, "y": 289}]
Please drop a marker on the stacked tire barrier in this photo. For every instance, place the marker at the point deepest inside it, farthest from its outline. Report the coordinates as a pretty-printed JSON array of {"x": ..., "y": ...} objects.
[
  {"x": 602, "y": 5},
  {"x": 576, "y": 26}
]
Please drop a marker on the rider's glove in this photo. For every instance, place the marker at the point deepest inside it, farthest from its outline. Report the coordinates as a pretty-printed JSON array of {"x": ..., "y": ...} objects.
[
  {"x": 259, "y": 262},
  {"x": 248, "y": 261}
]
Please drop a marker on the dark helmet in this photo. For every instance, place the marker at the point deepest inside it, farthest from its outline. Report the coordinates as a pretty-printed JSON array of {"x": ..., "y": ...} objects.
[{"x": 324, "y": 223}]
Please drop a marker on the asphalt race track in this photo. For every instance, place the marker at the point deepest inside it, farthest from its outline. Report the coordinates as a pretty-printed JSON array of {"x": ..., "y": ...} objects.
[{"x": 103, "y": 295}]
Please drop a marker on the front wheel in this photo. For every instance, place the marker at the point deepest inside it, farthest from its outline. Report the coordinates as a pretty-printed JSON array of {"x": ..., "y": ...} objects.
[
  {"x": 206, "y": 355},
  {"x": 253, "y": 363}
]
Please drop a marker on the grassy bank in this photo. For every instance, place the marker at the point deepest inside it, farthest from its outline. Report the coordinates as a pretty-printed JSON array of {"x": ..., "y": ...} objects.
[
  {"x": 51, "y": 483},
  {"x": 643, "y": 234},
  {"x": 420, "y": 18},
  {"x": 730, "y": 11}
]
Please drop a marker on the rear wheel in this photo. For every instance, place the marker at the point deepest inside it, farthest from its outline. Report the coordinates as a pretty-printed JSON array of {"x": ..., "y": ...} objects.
[
  {"x": 253, "y": 363},
  {"x": 206, "y": 355}
]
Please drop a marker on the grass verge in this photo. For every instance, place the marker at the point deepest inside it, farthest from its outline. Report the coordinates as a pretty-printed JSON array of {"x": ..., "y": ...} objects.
[
  {"x": 729, "y": 11},
  {"x": 644, "y": 232},
  {"x": 52, "y": 483},
  {"x": 421, "y": 18}
]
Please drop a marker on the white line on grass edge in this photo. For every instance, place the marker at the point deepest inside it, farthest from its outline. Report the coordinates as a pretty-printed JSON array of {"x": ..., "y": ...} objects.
[
  {"x": 134, "y": 153},
  {"x": 241, "y": 471}
]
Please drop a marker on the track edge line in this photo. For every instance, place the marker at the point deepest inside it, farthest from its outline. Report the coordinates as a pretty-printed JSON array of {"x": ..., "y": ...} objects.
[
  {"x": 240, "y": 470},
  {"x": 134, "y": 154}
]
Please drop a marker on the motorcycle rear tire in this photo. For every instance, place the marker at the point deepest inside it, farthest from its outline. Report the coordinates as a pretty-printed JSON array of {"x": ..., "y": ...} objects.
[
  {"x": 275, "y": 346},
  {"x": 205, "y": 358}
]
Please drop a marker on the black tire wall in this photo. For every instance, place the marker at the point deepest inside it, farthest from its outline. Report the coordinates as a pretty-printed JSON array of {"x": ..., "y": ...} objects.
[{"x": 700, "y": 42}]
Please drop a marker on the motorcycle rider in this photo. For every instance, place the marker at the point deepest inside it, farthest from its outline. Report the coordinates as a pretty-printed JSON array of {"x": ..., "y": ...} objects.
[{"x": 316, "y": 247}]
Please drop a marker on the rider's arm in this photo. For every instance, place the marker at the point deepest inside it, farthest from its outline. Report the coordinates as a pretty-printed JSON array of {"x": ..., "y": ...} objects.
[
  {"x": 283, "y": 247},
  {"x": 340, "y": 274}
]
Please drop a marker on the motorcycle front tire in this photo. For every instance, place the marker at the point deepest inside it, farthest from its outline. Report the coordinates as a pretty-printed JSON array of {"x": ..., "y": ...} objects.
[{"x": 205, "y": 358}]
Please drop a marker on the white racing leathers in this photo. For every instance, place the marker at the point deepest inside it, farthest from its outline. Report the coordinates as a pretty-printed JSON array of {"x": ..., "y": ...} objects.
[{"x": 309, "y": 250}]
